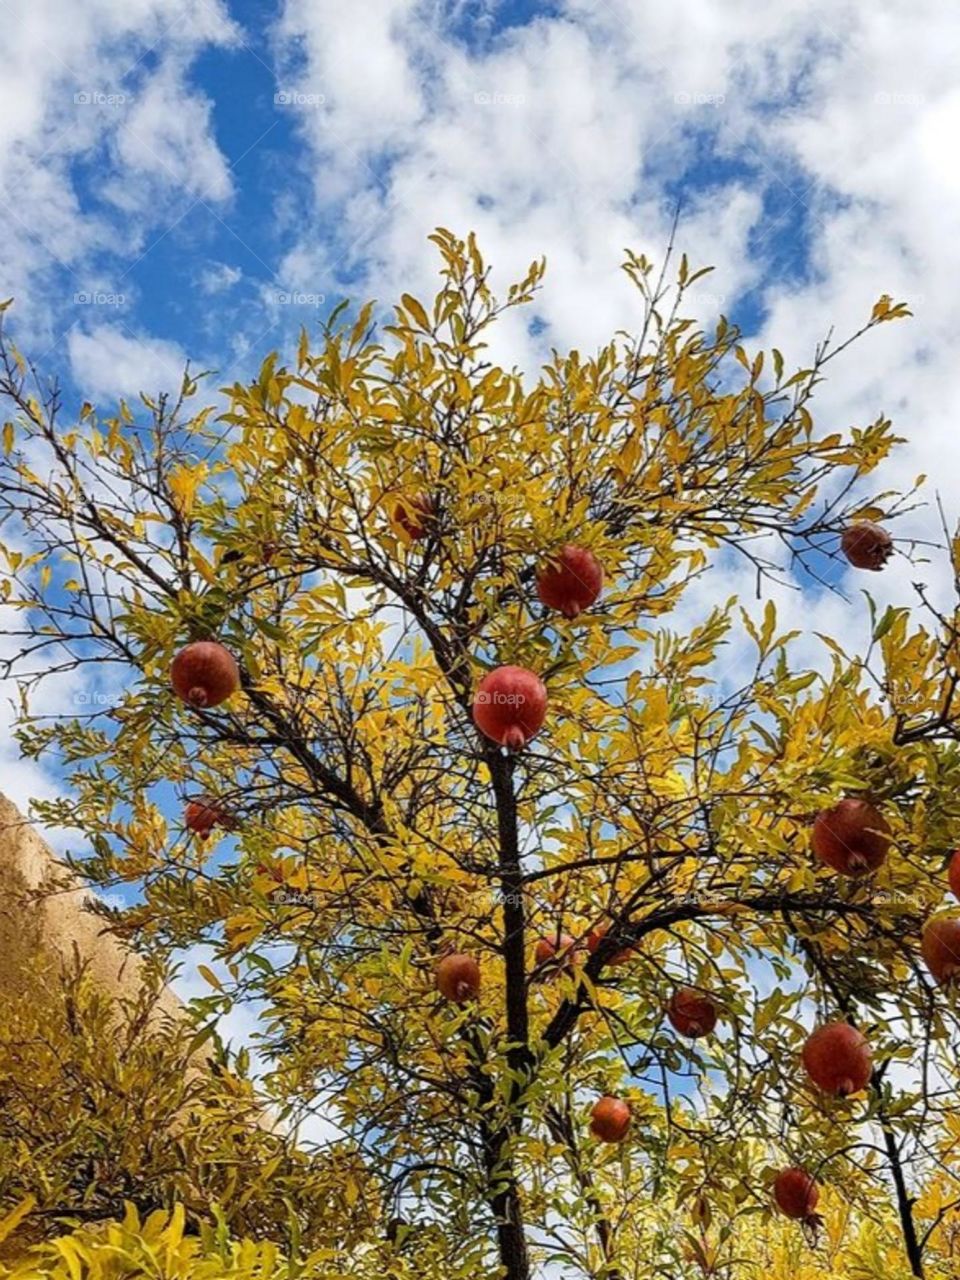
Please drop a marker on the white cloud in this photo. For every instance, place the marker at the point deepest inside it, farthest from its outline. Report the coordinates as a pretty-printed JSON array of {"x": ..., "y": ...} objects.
[
  {"x": 562, "y": 137},
  {"x": 110, "y": 360},
  {"x": 166, "y": 137},
  {"x": 219, "y": 277},
  {"x": 104, "y": 81}
]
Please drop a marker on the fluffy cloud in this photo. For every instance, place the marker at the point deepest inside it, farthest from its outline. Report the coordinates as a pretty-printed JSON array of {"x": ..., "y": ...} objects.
[
  {"x": 808, "y": 141},
  {"x": 102, "y": 86},
  {"x": 109, "y": 361}
]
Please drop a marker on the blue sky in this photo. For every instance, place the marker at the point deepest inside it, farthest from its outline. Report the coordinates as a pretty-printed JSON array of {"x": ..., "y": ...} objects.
[{"x": 223, "y": 169}]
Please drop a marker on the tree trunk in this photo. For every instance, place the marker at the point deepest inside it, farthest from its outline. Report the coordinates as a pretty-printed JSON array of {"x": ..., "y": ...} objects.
[
  {"x": 511, "y": 1239},
  {"x": 506, "y": 1206}
]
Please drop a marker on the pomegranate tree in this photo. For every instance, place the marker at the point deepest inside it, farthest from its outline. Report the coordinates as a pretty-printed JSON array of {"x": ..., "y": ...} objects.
[
  {"x": 597, "y": 935},
  {"x": 415, "y": 515},
  {"x": 866, "y": 545},
  {"x": 509, "y": 706},
  {"x": 610, "y": 1119},
  {"x": 953, "y": 873},
  {"x": 556, "y": 953},
  {"x": 940, "y": 947},
  {"x": 204, "y": 674},
  {"x": 458, "y": 977},
  {"x": 203, "y": 814},
  {"x": 852, "y": 837},
  {"x": 570, "y": 581},
  {"x": 838, "y": 1059},
  {"x": 796, "y": 1193},
  {"x": 691, "y": 1012}
]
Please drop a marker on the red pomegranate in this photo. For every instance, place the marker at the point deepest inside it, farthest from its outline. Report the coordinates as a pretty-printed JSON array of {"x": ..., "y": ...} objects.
[
  {"x": 691, "y": 1013},
  {"x": 509, "y": 706},
  {"x": 414, "y": 515},
  {"x": 953, "y": 873},
  {"x": 597, "y": 935},
  {"x": 557, "y": 953},
  {"x": 203, "y": 814},
  {"x": 796, "y": 1193},
  {"x": 458, "y": 977},
  {"x": 852, "y": 837},
  {"x": 940, "y": 948},
  {"x": 570, "y": 581},
  {"x": 610, "y": 1119},
  {"x": 204, "y": 674},
  {"x": 866, "y": 545},
  {"x": 837, "y": 1058}
]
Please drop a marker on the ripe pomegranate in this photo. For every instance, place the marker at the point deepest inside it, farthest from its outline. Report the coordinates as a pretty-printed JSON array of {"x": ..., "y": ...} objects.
[
  {"x": 610, "y": 1119},
  {"x": 940, "y": 947},
  {"x": 597, "y": 935},
  {"x": 414, "y": 515},
  {"x": 458, "y": 977},
  {"x": 796, "y": 1193},
  {"x": 570, "y": 581},
  {"x": 204, "y": 674},
  {"x": 203, "y": 814},
  {"x": 557, "y": 953},
  {"x": 866, "y": 545},
  {"x": 509, "y": 706},
  {"x": 691, "y": 1013},
  {"x": 953, "y": 873},
  {"x": 852, "y": 837},
  {"x": 838, "y": 1059}
]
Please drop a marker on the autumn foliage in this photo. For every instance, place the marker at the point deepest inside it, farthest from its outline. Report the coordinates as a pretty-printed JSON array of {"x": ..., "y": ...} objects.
[{"x": 515, "y": 860}]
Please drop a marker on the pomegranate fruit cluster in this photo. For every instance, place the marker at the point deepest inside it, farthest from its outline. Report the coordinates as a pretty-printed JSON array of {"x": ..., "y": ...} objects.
[{"x": 509, "y": 708}]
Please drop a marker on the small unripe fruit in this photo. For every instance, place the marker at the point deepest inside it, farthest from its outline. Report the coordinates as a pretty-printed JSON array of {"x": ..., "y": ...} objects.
[
  {"x": 953, "y": 874},
  {"x": 866, "y": 545},
  {"x": 691, "y": 1013},
  {"x": 509, "y": 706},
  {"x": 415, "y": 515},
  {"x": 838, "y": 1059},
  {"x": 204, "y": 674},
  {"x": 796, "y": 1193},
  {"x": 940, "y": 947},
  {"x": 852, "y": 837},
  {"x": 610, "y": 1119},
  {"x": 458, "y": 977},
  {"x": 597, "y": 935},
  {"x": 570, "y": 581}
]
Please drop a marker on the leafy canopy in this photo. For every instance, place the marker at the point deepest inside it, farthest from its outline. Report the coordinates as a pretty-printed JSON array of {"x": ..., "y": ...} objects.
[{"x": 668, "y": 799}]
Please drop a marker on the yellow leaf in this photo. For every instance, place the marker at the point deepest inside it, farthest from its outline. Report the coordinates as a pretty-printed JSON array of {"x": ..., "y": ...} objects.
[{"x": 13, "y": 1219}]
